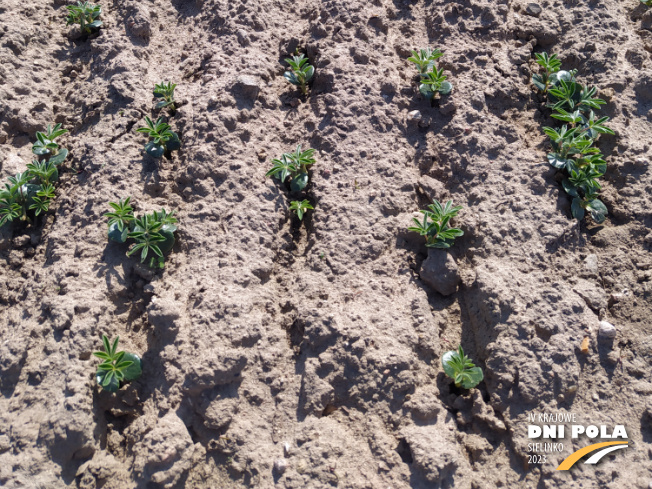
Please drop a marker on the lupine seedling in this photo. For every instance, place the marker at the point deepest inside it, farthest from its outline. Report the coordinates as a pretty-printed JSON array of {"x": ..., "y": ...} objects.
[
  {"x": 551, "y": 65},
  {"x": 300, "y": 207},
  {"x": 461, "y": 369},
  {"x": 166, "y": 92},
  {"x": 30, "y": 193},
  {"x": 294, "y": 165},
  {"x": 573, "y": 144},
  {"x": 424, "y": 59},
  {"x": 301, "y": 71},
  {"x": 164, "y": 139},
  {"x": 434, "y": 81},
  {"x": 647, "y": 2},
  {"x": 45, "y": 142},
  {"x": 120, "y": 220},
  {"x": 86, "y": 15},
  {"x": 435, "y": 225},
  {"x": 153, "y": 233},
  {"x": 117, "y": 366}
]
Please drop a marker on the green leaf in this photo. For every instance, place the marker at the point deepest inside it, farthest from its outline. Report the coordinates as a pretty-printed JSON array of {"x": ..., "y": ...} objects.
[
  {"x": 598, "y": 210},
  {"x": 569, "y": 188},
  {"x": 576, "y": 209},
  {"x": 116, "y": 235},
  {"x": 133, "y": 371},
  {"x": 426, "y": 91},
  {"x": 558, "y": 162},
  {"x": 291, "y": 77},
  {"x": 446, "y": 88},
  {"x": 539, "y": 82},
  {"x": 309, "y": 72},
  {"x": 299, "y": 182},
  {"x": 59, "y": 157},
  {"x": 473, "y": 376},
  {"x": 155, "y": 150},
  {"x": 107, "y": 380}
]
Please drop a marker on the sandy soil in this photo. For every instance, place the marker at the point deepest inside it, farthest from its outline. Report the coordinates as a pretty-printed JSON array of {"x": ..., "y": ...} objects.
[{"x": 307, "y": 355}]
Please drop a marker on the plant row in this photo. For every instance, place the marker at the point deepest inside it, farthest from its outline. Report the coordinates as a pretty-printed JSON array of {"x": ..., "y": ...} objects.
[{"x": 574, "y": 151}]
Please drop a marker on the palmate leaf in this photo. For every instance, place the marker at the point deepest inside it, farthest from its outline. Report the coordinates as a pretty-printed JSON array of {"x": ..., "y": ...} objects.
[
  {"x": 116, "y": 366},
  {"x": 435, "y": 224},
  {"x": 300, "y": 207},
  {"x": 282, "y": 168}
]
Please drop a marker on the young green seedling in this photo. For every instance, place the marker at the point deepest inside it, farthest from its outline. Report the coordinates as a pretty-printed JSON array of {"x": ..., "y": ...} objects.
[
  {"x": 166, "y": 92},
  {"x": 120, "y": 220},
  {"x": 45, "y": 144},
  {"x": 549, "y": 63},
  {"x": 647, "y": 2},
  {"x": 461, "y": 369},
  {"x": 294, "y": 165},
  {"x": 153, "y": 233},
  {"x": 30, "y": 193},
  {"x": 434, "y": 82},
  {"x": 424, "y": 59},
  {"x": 301, "y": 71},
  {"x": 435, "y": 225},
  {"x": 300, "y": 208},
  {"x": 164, "y": 139},
  {"x": 86, "y": 15},
  {"x": 118, "y": 366}
]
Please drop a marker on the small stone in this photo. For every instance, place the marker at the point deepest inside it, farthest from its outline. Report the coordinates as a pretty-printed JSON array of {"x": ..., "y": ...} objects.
[
  {"x": 607, "y": 330},
  {"x": 247, "y": 86},
  {"x": 533, "y": 9},
  {"x": 415, "y": 115},
  {"x": 440, "y": 271},
  {"x": 287, "y": 449},
  {"x": 591, "y": 264},
  {"x": 243, "y": 37},
  {"x": 280, "y": 466},
  {"x": 596, "y": 396},
  {"x": 386, "y": 371}
]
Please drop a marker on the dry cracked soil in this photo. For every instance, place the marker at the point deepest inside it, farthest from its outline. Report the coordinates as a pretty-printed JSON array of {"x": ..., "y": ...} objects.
[{"x": 306, "y": 354}]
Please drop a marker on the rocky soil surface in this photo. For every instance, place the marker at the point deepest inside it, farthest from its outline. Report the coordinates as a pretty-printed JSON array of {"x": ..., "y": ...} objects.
[{"x": 280, "y": 353}]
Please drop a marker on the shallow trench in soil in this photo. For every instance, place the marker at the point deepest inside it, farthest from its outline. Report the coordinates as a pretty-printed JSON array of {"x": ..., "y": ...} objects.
[{"x": 306, "y": 354}]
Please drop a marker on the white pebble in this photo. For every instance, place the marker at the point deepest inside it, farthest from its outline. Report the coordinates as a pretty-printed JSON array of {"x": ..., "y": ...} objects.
[
  {"x": 607, "y": 330},
  {"x": 415, "y": 115},
  {"x": 280, "y": 465}
]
